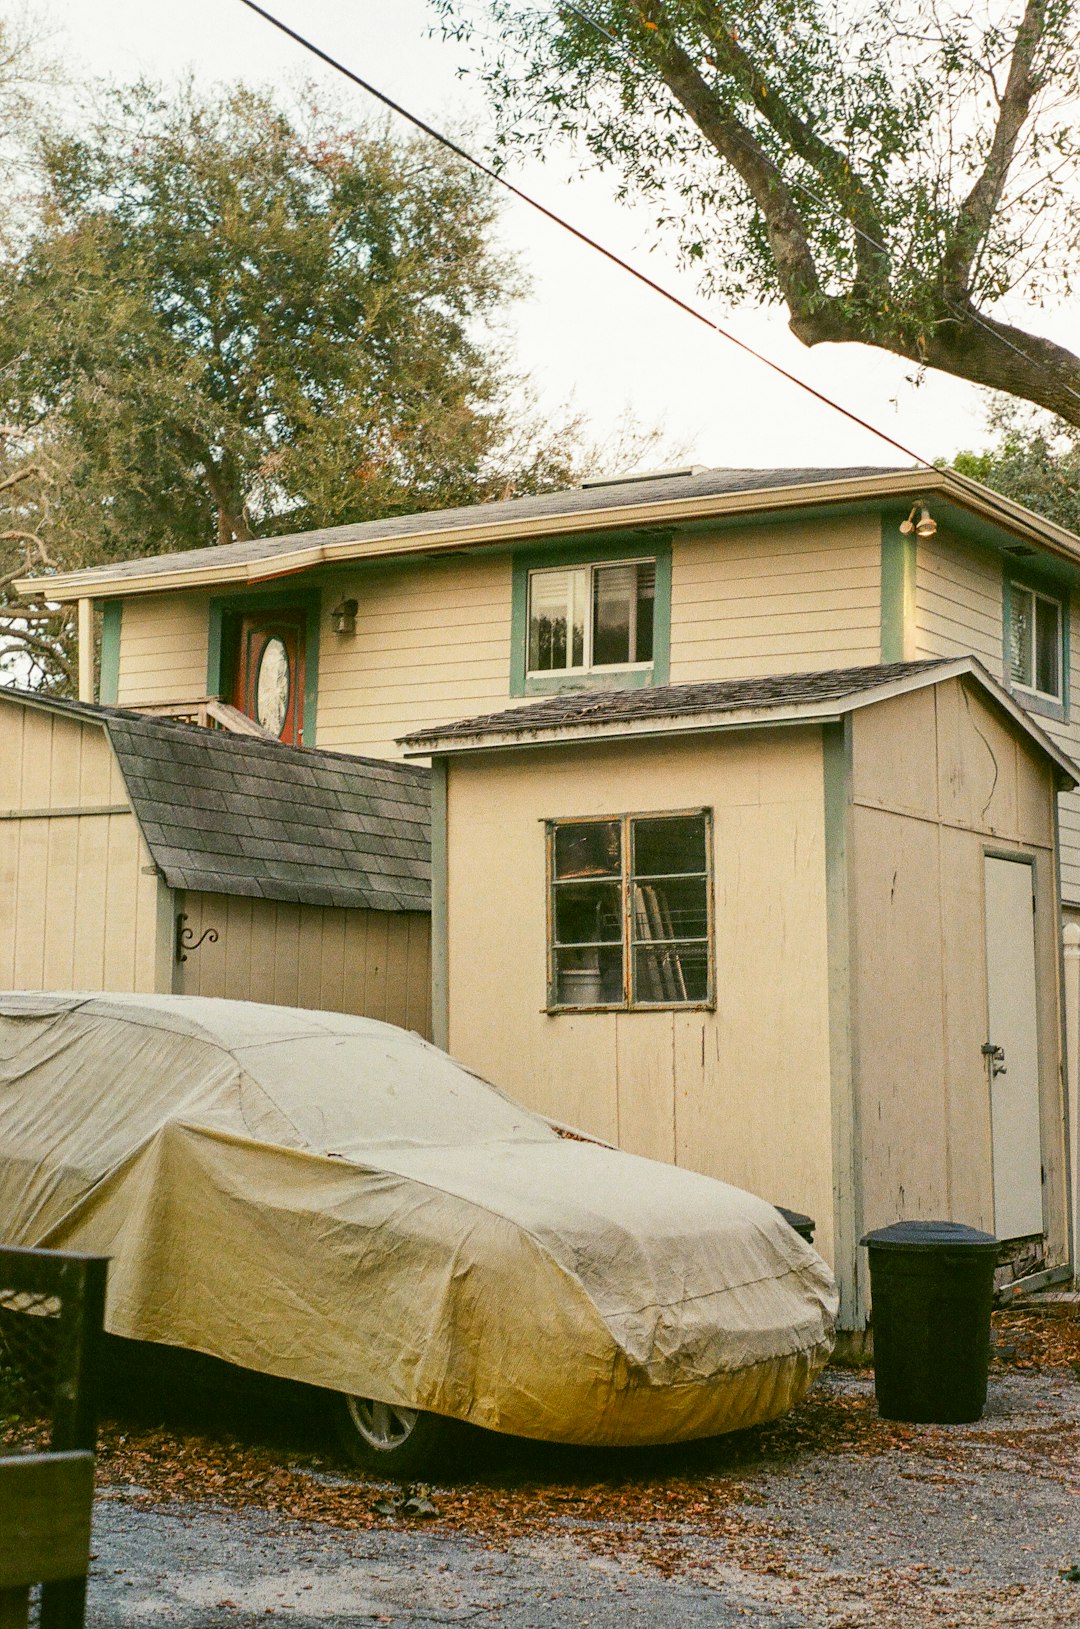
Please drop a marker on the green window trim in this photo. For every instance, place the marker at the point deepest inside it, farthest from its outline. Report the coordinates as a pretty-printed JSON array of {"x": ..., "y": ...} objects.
[
  {"x": 1052, "y": 589},
  {"x": 225, "y": 606},
  {"x": 631, "y": 546},
  {"x": 112, "y": 615},
  {"x": 897, "y": 588}
]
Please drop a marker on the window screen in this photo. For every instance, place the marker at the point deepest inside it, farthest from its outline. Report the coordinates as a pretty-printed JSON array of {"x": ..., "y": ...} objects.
[{"x": 592, "y": 616}]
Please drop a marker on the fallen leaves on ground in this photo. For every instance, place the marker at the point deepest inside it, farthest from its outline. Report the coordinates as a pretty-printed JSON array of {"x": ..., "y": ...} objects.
[
  {"x": 651, "y": 1507},
  {"x": 600, "y": 1498},
  {"x": 1037, "y": 1340}
]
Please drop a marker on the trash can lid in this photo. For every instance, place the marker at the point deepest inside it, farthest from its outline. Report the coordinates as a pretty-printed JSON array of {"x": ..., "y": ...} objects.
[
  {"x": 928, "y": 1236},
  {"x": 795, "y": 1218}
]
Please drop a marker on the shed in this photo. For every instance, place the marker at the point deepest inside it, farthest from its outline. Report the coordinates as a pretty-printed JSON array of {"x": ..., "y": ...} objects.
[
  {"x": 800, "y": 933},
  {"x": 138, "y": 853}
]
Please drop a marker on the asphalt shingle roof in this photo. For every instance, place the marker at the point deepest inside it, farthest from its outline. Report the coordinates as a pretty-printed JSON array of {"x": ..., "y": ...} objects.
[
  {"x": 573, "y": 501},
  {"x": 232, "y": 814},
  {"x": 673, "y": 701}
]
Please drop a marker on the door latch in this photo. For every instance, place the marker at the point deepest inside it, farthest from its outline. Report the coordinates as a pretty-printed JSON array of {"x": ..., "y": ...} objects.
[{"x": 996, "y": 1054}]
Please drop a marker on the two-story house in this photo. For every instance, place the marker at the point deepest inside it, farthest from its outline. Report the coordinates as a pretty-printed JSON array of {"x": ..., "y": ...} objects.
[
  {"x": 725, "y": 582},
  {"x": 372, "y": 631}
]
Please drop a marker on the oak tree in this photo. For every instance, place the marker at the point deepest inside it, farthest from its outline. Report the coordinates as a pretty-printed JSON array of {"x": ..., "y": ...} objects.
[{"x": 228, "y": 320}]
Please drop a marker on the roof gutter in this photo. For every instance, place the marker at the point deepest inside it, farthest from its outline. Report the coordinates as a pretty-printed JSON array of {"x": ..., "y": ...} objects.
[{"x": 103, "y": 583}]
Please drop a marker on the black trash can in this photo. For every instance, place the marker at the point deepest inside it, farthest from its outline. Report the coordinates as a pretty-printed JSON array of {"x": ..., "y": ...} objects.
[
  {"x": 803, "y": 1225},
  {"x": 932, "y": 1287}
]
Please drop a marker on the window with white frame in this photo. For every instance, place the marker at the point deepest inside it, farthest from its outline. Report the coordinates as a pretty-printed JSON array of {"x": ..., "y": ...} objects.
[
  {"x": 591, "y": 616},
  {"x": 1034, "y": 642},
  {"x": 630, "y": 911}
]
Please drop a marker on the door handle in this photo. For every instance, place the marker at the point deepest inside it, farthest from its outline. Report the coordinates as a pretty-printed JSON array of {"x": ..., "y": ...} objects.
[{"x": 996, "y": 1055}]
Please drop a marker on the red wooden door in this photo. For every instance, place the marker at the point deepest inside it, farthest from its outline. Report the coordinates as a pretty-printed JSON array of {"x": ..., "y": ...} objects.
[{"x": 269, "y": 673}]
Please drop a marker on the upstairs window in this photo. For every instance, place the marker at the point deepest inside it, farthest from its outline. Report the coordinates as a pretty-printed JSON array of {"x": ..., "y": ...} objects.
[
  {"x": 589, "y": 617},
  {"x": 630, "y": 912},
  {"x": 1035, "y": 642}
]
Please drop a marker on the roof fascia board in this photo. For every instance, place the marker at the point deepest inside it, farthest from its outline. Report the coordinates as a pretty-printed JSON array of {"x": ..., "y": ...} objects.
[
  {"x": 749, "y": 718},
  {"x": 967, "y": 494},
  {"x": 74, "y": 585},
  {"x": 817, "y": 712}
]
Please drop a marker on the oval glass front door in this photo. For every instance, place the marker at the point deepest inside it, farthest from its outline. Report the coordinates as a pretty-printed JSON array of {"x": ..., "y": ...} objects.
[{"x": 273, "y": 683}]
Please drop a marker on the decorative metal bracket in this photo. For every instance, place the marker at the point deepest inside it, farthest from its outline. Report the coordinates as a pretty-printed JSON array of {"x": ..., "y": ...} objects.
[{"x": 186, "y": 940}]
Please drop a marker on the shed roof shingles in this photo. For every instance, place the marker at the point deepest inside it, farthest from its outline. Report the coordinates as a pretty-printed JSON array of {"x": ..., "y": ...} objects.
[
  {"x": 673, "y": 701},
  {"x": 234, "y": 814}
]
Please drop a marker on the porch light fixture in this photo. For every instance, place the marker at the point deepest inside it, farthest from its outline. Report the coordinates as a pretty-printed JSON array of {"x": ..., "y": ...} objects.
[
  {"x": 343, "y": 617},
  {"x": 920, "y": 521}
]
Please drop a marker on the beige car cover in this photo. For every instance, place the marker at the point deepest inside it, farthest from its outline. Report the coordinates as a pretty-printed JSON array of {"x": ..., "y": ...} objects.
[{"x": 333, "y": 1200}]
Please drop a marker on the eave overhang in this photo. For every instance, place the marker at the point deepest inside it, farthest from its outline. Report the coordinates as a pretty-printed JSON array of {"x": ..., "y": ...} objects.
[
  {"x": 103, "y": 582},
  {"x": 429, "y": 744}
]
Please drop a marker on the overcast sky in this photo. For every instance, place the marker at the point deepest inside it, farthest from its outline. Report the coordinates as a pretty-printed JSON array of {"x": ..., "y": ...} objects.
[{"x": 588, "y": 335}]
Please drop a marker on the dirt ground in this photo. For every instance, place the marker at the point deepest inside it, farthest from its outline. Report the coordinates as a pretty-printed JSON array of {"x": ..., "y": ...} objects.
[{"x": 227, "y": 1509}]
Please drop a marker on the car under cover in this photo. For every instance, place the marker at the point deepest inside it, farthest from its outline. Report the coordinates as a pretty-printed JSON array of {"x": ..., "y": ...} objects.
[{"x": 334, "y": 1200}]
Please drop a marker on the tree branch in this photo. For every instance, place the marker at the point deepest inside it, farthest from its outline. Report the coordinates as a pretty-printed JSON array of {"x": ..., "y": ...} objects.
[
  {"x": 976, "y": 213},
  {"x": 44, "y": 557},
  {"x": 833, "y": 166},
  {"x": 788, "y": 238},
  {"x": 24, "y": 474}
]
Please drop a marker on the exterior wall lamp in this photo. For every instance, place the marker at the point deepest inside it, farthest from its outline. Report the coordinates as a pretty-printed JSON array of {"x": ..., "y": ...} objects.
[
  {"x": 920, "y": 521},
  {"x": 343, "y": 617}
]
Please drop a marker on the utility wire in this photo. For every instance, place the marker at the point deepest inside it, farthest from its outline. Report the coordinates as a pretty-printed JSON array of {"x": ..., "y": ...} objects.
[
  {"x": 793, "y": 181},
  {"x": 582, "y": 237}
]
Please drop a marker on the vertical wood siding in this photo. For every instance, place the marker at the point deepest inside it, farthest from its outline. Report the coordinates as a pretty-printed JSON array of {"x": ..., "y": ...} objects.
[
  {"x": 79, "y": 897},
  {"x": 432, "y": 644},
  {"x": 959, "y": 610},
  {"x": 376, "y": 963},
  {"x": 937, "y": 776},
  {"x": 742, "y": 1093},
  {"x": 163, "y": 648},
  {"x": 776, "y": 599}
]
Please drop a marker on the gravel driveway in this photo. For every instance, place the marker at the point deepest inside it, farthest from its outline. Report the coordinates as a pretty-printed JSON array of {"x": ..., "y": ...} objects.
[{"x": 831, "y": 1518}]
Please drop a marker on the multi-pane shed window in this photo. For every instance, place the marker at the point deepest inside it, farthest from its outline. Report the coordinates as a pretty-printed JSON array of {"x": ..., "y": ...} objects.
[
  {"x": 1035, "y": 642},
  {"x": 591, "y": 616},
  {"x": 630, "y": 911}
]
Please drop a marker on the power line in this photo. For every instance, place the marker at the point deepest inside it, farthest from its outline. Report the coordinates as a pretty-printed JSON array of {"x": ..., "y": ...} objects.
[
  {"x": 582, "y": 237},
  {"x": 759, "y": 152}
]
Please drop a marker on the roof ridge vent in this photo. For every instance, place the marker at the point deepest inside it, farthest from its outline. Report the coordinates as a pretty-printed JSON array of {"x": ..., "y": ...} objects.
[{"x": 643, "y": 475}]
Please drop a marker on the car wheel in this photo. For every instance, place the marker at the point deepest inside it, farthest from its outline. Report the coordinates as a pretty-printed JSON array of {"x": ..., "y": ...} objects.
[{"x": 394, "y": 1442}]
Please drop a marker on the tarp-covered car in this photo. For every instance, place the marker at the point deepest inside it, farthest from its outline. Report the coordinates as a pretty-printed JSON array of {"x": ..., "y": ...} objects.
[{"x": 333, "y": 1200}]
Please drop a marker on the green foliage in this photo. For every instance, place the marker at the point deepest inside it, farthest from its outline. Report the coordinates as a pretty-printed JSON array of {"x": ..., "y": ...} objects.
[
  {"x": 225, "y": 322},
  {"x": 1034, "y": 460},
  {"x": 889, "y": 172},
  {"x": 241, "y": 326}
]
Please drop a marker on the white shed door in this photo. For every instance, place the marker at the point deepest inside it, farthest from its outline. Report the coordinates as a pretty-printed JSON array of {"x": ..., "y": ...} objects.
[{"x": 1013, "y": 1049}]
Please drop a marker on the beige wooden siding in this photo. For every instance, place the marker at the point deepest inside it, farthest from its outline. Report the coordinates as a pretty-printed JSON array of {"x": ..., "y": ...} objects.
[
  {"x": 1066, "y": 732},
  {"x": 432, "y": 644},
  {"x": 959, "y": 612},
  {"x": 377, "y": 963},
  {"x": 81, "y": 907},
  {"x": 958, "y": 603},
  {"x": 938, "y": 778},
  {"x": 163, "y": 647},
  {"x": 776, "y": 599},
  {"x": 742, "y": 1093}
]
